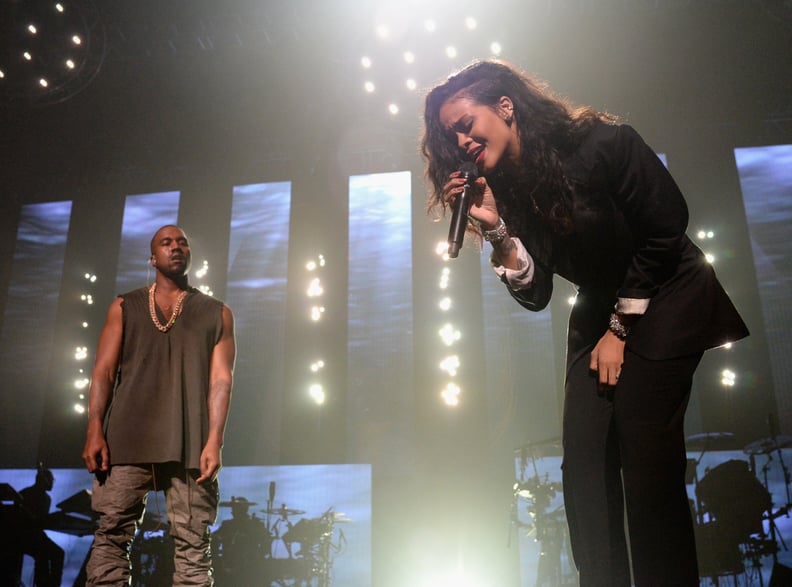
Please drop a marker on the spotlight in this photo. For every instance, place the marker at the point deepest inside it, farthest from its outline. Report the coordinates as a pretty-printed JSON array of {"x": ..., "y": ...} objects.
[
  {"x": 369, "y": 87},
  {"x": 393, "y": 108},
  {"x": 430, "y": 25},
  {"x": 710, "y": 258},
  {"x": 32, "y": 29},
  {"x": 365, "y": 62},
  {"x": 411, "y": 84},
  {"x": 317, "y": 393},
  {"x": 445, "y": 304},
  {"x": 495, "y": 48},
  {"x": 449, "y": 335},
  {"x": 728, "y": 378},
  {"x": 450, "y": 365},
  {"x": 409, "y": 57},
  {"x": 471, "y": 23},
  {"x": 451, "y": 52},
  {"x": 315, "y": 288},
  {"x": 450, "y": 394}
]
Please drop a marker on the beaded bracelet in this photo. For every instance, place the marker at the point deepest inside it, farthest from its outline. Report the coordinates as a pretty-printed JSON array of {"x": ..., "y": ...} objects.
[
  {"x": 497, "y": 234},
  {"x": 616, "y": 327}
]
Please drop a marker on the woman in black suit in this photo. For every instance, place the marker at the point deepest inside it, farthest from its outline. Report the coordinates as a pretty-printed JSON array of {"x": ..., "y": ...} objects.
[{"x": 568, "y": 191}]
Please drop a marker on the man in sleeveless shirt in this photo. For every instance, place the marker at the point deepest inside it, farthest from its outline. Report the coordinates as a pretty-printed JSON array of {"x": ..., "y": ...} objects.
[{"x": 157, "y": 410}]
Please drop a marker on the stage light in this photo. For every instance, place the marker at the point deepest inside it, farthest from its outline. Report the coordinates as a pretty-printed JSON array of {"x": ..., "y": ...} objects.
[
  {"x": 442, "y": 248},
  {"x": 709, "y": 257},
  {"x": 317, "y": 366},
  {"x": 27, "y": 55},
  {"x": 393, "y": 108},
  {"x": 316, "y": 313},
  {"x": 365, "y": 62},
  {"x": 450, "y": 365},
  {"x": 471, "y": 23},
  {"x": 81, "y": 353},
  {"x": 200, "y": 273},
  {"x": 411, "y": 84},
  {"x": 76, "y": 40},
  {"x": 728, "y": 378},
  {"x": 59, "y": 7},
  {"x": 451, "y": 52},
  {"x": 409, "y": 57},
  {"x": 445, "y": 304},
  {"x": 2, "y": 74},
  {"x": 315, "y": 288},
  {"x": 382, "y": 31},
  {"x": 449, "y": 335},
  {"x": 495, "y": 48},
  {"x": 571, "y": 300},
  {"x": 85, "y": 325},
  {"x": 43, "y": 83},
  {"x": 205, "y": 289},
  {"x": 369, "y": 87},
  {"x": 726, "y": 346},
  {"x": 79, "y": 408},
  {"x": 81, "y": 383},
  {"x": 445, "y": 277},
  {"x": 317, "y": 393},
  {"x": 450, "y": 395},
  {"x": 32, "y": 29},
  {"x": 430, "y": 25}
]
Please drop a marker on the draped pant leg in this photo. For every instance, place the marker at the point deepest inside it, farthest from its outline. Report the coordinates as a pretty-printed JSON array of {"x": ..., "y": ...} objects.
[{"x": 636, "y": 432}]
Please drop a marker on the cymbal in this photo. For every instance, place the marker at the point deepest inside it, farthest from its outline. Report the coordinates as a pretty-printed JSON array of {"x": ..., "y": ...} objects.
[
  {"x": 767, "y": 445},
  {"x": 547, "y": 442},
  {"x": 708, "y": 439},
  {"x": 282, "y": 511}
]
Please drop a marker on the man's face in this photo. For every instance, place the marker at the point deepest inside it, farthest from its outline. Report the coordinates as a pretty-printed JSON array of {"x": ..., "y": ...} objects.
[{"x": 170, "y": 251}]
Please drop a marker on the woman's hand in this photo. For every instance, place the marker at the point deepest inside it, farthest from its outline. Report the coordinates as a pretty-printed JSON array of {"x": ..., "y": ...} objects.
[
  {"x": 607, "y": 358},
  {"x": 482, "y": 205}
]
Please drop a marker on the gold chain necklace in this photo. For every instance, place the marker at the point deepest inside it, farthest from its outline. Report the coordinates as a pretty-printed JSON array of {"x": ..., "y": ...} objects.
[{"x": 153, "y": 309}]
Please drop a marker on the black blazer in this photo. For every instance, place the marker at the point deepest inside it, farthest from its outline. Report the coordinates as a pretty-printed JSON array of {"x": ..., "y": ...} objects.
[{"x": 629, "y": 241}]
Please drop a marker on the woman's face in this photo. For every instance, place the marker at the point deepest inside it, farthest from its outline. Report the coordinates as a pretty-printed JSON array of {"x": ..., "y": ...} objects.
[{"x": 483, "y": 135}]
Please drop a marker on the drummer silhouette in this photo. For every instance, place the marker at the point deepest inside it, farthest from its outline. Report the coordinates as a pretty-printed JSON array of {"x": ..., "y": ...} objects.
[
  {"x": 241, "y": 541},
  {"x": 47, "y": 555}
]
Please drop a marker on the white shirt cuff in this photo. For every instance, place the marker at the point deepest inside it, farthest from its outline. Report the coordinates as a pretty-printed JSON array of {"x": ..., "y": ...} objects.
[
  {"x": 516, "y": 279},
  {"x": 632, "y": 305}
]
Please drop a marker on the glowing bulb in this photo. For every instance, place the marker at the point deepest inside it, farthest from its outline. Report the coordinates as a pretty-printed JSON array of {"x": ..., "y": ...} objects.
[
  {"x": 317, "y": 393},
  {"x": 495, "y": 48},
  {"x": 450, "y": 365},
  {"x": 445, "y": 304},
  {"x": 471, "y": 23},
  {"x": 409, "y": 57},
  {"x": 451, "y": 52},
  {"x": 393, "y": 108},
  {"x": 369, "y": 87},
  {"x": 365, "y": 62}
]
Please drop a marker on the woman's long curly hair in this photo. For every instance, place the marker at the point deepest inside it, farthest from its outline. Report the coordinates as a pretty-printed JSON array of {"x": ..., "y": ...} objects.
[{"x": 549, "y": 128}]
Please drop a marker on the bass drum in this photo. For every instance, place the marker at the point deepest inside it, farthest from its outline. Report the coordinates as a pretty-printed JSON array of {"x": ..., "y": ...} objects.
[{"x": 734, "y": 498}]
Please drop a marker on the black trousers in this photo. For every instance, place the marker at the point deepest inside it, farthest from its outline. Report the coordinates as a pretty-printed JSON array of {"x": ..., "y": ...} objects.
[{"x": 625, "y": 449}]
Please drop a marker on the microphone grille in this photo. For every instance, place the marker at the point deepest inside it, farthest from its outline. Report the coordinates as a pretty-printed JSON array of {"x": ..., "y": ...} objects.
[{"x": 469, "y": 169}]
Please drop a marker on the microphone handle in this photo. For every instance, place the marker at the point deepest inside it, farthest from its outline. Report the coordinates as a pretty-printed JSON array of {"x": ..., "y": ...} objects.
[{"x": 459, "y": 220}]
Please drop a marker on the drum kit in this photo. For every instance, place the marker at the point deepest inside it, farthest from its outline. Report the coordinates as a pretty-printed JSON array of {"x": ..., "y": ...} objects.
[
  {"x": 733, "y": 510},
  {"x": 248, "y": 550}
]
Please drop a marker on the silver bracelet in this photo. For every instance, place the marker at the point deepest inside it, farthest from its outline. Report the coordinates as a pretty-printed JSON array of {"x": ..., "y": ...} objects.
[
  {"x": 616, "y": 327},
  {"x": 497, "y": 234}
]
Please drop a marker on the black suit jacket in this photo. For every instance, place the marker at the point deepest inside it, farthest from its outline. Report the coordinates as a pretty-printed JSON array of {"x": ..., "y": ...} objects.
[{"x": 629, "y": 241}]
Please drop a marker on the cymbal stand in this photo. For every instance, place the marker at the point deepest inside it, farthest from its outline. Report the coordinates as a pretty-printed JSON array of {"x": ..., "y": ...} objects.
[
  {"x": 787, "y": 478},
  {"x": 775, "y": 535}
]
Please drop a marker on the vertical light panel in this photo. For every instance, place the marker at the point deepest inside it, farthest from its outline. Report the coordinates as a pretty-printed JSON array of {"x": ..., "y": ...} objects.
[
  {"x": 766, "y": 182},
  {"x": 143, "y": 215},
  {"x": 521, "y": 377},
  {"x": 380, "y": 329},
  {"x": 256, "y": 294},
  {"x": 28, "y": 326}
]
